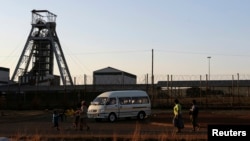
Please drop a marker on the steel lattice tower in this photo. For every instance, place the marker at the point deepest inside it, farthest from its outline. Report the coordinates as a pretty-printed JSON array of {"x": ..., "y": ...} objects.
[{"x": 40, "y": 48}]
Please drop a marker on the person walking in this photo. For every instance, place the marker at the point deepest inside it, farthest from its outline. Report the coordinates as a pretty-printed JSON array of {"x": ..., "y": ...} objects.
[
  {"x": 193, "y": 112},
  {"x": 77, "y": 118},
  {"x": 55, "y": 120},
  {"x": 177, "y": 120},
  {"x": 83, "y": 116}
]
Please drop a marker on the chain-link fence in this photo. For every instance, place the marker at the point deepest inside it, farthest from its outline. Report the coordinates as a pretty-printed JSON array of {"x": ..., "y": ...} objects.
[
  {"x": 147, "y": 79},
  {"x": 212, "y": 97}
]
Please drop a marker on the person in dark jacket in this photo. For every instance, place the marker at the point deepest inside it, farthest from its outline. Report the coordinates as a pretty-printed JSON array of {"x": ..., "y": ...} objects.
[
  {"x": 55, "y": 120},
  {"x": 193, "y": 112}
]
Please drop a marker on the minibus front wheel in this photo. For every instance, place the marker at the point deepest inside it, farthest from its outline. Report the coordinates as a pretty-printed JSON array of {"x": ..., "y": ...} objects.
[
  {"x": 112, "y": 117},
  {"x": 141, "y": 115}
]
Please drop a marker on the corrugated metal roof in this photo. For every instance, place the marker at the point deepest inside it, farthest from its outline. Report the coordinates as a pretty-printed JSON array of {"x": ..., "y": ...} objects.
[
  {"x": 107, "y": 69},
  {"x": 110, "y": 70}
]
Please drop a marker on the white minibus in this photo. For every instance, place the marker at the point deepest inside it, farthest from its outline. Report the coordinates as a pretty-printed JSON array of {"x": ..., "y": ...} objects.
[{"x": 113, "y": 105}]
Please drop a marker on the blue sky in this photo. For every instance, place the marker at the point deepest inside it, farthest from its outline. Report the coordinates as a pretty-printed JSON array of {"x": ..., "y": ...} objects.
[{"x": 95, "y": 34}]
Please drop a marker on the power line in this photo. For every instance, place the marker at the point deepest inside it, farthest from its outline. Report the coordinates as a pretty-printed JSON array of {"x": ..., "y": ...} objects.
[
  {"x": 110, "y": 52},
  {"x": 200, "y": 53}
]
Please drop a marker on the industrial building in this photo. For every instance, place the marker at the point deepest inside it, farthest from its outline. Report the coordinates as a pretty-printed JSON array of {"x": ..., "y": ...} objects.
[
  {"x": 4, "y": 75},
  {"x": 111, "y": 75}
]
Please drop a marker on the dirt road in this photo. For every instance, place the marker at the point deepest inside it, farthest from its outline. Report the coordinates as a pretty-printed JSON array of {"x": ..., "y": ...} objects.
[{"x": 30, "y": 123}]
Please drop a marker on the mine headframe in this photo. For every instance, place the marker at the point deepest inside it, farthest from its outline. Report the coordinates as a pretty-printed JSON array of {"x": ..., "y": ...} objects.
[{"x": 40, "y": 49}]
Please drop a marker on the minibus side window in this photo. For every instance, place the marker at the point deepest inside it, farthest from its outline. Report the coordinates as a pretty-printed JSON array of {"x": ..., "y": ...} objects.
[
  {"x": 111, "y": 101},
  {"x": 145, "y": 100},
  {"x": 125, "y": 100},
  {"x": 140, "y": 100},
  {"x": 136, "y": 100}
]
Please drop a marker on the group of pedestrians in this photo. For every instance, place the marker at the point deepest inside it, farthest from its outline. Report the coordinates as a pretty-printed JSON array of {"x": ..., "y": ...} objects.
[
  {"x": 80, "y": 120},
  {"x": 193, "y": 113}
]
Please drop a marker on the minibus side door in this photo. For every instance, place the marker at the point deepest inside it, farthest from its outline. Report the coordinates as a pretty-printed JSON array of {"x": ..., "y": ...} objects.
[
  {"x": 112, "y": 106},
  {"x": 125, "y": 107}
]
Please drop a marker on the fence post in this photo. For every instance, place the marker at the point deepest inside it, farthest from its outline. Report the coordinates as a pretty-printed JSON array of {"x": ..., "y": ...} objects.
[
  {"x": 232, "y": 95},
  {"x": 200, "y": 88},
  {"x": 238, "y": 91},
  {"x": 206, "y": 89},
  {"x": 85, "y": 87}
]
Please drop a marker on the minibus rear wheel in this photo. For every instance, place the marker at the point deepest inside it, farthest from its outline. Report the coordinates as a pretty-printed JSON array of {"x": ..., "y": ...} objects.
[{"x": 112, "y": 117}]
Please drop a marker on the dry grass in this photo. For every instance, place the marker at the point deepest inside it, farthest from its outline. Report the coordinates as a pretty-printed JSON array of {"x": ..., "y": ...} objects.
[{"x": 115, "y": 137}]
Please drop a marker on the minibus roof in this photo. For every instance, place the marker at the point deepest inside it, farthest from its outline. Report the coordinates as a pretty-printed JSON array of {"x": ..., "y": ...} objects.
[{"x": 123, "y": 93}]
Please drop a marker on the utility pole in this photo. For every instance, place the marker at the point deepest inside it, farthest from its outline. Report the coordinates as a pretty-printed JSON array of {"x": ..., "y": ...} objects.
[
  {"x": 209, "y": 57},
  {"x": 152, "y": 67},
  {"x": 152, "y": 79}
]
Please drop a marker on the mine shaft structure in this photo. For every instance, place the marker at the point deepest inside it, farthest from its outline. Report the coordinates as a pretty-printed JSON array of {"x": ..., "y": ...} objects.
[{"x": 40, "y": 49}]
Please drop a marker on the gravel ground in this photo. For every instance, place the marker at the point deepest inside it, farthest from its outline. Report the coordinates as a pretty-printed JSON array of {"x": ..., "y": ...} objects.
[{"x": 39, "y": 123}]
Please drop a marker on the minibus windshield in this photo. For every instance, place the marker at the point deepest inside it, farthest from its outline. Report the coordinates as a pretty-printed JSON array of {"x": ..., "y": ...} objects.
[{"x": 99, "y": 101}]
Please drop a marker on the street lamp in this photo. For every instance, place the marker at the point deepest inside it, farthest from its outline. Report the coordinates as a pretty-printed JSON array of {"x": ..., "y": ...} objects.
[{"x": 209, "y": 57}]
